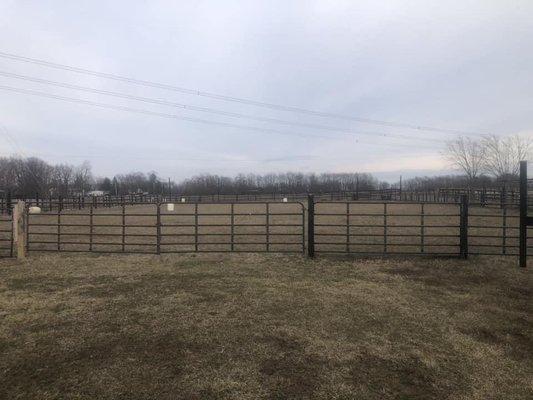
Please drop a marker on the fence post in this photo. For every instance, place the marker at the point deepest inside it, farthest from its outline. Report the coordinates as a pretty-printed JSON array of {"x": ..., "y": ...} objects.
[
  {"x": 463, "y": 227},
  {"x": 503, "y": 198},
  {"x": 19, "y": 228},
  {"x": 523, "y": 214},
  {"x": 310, "y": 226},
  {"x": 8, "y": 202},
  {"x": 158, "y": 229}
]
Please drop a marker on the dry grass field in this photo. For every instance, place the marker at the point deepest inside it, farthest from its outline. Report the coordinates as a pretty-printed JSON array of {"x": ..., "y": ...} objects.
[{"x": 249, "y": 326}]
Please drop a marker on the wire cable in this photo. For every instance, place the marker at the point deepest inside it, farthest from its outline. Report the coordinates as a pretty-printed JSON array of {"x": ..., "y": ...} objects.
[
  {"x": 209, "y": 110},
  {"x": 179, "y": 117},
  {"x": 233, "y": 99}
]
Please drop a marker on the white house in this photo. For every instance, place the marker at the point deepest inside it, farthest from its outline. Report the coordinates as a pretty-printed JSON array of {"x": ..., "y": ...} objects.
[{"x": 96, "y": 193}]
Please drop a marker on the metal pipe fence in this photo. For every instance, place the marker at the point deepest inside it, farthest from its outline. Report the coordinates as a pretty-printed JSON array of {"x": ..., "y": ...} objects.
[
  {"x": 316, "y": 227},
  {"x": 6, "y": 235},
  {"x": 381, "y": 228},
  {"x": 158, "y": 228}
]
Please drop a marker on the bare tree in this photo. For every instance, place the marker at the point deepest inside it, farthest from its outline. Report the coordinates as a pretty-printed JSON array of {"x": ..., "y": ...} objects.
[
  {"x": 8, "y": 174},
  {"x": 62, "y": 178},
  {"x": 503, "y": 154},
  {"x": 466, "y": 154},
  {"x": 32, "y": 175},
  {"x": 83, "y": 177}
]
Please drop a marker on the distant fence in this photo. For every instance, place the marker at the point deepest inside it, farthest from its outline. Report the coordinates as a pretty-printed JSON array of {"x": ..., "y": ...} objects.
[{"x": 494, "y": 198}]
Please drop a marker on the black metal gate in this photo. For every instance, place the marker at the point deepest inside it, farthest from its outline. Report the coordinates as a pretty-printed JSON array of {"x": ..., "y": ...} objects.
[
  {"x": 6, "y": 234},
  {"x": 125, "y": 229},
  {"x": 380, "y": 228},
  {"x": 232, "y": 227},
  {"x": 171, "y": 228}
]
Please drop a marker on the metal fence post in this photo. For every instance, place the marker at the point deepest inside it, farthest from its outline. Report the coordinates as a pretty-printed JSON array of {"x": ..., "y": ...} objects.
[
  {"x": 196, "y": 227},
  {"x": 268, "y": 227},
  {"x": 123, "y": 226},
  {"x": 523, "y": 214},
  {"x": 503, "y": 198},
  {"x": 91, "y": 229},
  {"x": 158, "y": 229},
  {"x": 463, "y": 227},
  {"x": 310, "y": 226},
  {"x": 8, "y": 203},
  {"x": 232, "y": 221}
]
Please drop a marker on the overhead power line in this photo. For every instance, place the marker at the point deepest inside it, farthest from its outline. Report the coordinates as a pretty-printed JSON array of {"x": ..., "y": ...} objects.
[
  {"x": 209, "y": 110},
  {"x": 179, "y": 117},
  {"x": 180, "y": 158},
  {"x": 289, "y": 158},
  {"x": 233, "y": 99}
]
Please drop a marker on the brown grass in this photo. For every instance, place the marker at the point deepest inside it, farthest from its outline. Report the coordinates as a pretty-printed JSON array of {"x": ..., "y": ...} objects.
[{"x": 264, "y": 327}]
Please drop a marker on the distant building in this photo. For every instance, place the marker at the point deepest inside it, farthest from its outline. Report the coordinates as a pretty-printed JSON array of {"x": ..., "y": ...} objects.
[{"x": 96, "y": 193}]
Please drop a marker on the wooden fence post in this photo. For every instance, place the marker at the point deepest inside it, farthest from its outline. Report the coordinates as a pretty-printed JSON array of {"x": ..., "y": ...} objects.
[
  {"x": 310, "y": 226},
  {"x": 19, "y": 229}
]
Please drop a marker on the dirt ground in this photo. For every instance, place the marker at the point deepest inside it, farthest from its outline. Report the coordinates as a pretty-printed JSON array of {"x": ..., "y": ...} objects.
[{"x": 248, "y": 326}]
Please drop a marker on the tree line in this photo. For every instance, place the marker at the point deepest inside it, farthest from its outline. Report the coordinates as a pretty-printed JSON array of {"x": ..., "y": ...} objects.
[
  {"x": 488, "y": 161},
  {"x": 26, "y": 177},
  {"x": 289, "y": 182}
]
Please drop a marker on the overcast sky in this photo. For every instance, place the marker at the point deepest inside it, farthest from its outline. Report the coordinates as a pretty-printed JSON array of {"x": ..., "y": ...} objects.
[{"x": 462, "y": 65}]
